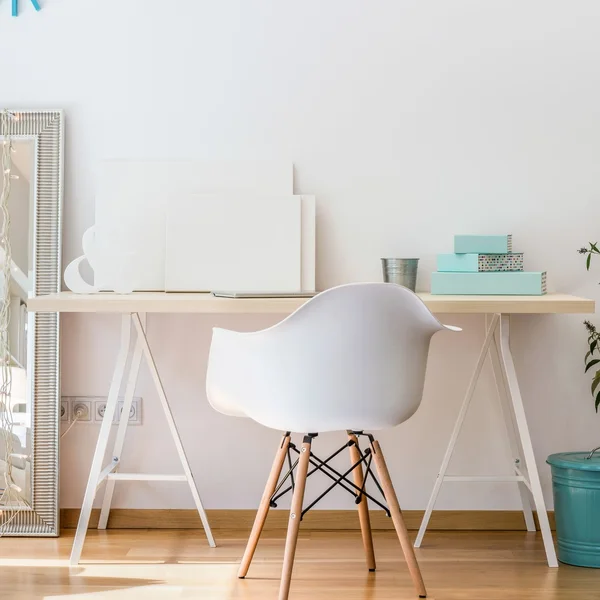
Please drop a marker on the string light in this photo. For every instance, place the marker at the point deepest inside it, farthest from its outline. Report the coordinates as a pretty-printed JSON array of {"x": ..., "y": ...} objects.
[{"x": 11, "y": 495}]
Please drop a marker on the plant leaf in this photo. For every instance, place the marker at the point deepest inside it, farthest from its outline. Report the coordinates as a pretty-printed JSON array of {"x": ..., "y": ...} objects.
[
  {"x": 596, "y": 382},
  {"x": 593, "y": 346},
  {"x": 588, "y": 354},
  {"x": 591, "y": 364},
  {"x": 597, "y": 401},
  {"x": 594, "y": 247},
  {"x": 587, "y": 262}
]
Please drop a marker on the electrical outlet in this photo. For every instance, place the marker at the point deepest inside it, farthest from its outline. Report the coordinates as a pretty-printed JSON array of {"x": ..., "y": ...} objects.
[
  {"x": 64, "y": 410},
  {"x": 135, "y": 413},
  {"x": 81, "y": 409},
  {"x": 71, "y": 405},
  {"x": 99, "y": 409}
]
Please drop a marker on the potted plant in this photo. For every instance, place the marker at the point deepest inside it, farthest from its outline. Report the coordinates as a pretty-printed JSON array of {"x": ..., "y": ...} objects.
[{"x": 576, "y": 475}]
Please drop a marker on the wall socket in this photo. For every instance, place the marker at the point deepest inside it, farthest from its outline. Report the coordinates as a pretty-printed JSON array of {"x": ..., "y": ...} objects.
[
  {"x": 93, "y": 408},
  {"x": 81, "y": 409},
  {"x": 65, "y": 415},
  {"x": 71, "y": 405},
  {"x": 135, "y": 413}
]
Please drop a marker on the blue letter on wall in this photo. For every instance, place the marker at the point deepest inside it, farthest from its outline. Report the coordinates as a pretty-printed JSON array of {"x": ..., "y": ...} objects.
[{"x": 15, "y": 7}]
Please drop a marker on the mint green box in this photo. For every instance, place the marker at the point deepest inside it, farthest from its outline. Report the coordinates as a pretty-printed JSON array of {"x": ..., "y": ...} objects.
[
  {"x": 476, "y": 263},
  {"x": 515, "y": 283},
  {"x": 482, "y": 244}
]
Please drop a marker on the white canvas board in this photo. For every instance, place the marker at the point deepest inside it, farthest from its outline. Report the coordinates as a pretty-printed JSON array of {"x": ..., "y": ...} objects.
[
  {"x": 242, "y": 242},
  {"x": 132, "y": 198},
  {"x": 309, "y": 243}
]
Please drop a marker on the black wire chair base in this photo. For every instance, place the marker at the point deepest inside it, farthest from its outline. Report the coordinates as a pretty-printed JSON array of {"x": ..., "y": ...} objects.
[{"x": 339, "y": 479}]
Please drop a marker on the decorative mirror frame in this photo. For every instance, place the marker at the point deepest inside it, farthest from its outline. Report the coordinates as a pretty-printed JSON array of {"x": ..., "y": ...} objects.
[{"x": 46, "y": 127}]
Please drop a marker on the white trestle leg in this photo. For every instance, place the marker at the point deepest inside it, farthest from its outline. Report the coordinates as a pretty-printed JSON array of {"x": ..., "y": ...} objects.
[
  {"x": 134, "y": 370},
  {"x": 516, "y": 454},
  {"x": 508, "y": 368},
  {"x": 110, "y": 473},
  {"x": 497, "y": 345},
  {"x": 101, "y": 444},
  {"x": 457, "y": 427},
  {"x": 172, "y": 427}
]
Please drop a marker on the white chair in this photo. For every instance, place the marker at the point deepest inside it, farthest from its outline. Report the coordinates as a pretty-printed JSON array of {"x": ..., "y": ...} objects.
[{"x": 353, "y": 359}]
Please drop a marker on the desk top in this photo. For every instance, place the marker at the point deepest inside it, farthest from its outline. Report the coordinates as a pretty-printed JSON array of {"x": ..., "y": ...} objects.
[{"x": 162, "y": 302}]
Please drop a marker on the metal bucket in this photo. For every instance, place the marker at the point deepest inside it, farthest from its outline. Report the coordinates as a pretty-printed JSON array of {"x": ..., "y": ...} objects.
[
  {"x": 402, "y": 271},
  {"x": 576, "y": 484}
]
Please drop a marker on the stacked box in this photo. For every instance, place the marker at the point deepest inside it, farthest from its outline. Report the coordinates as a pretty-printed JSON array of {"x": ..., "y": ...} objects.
[
  {"x": 515, "y": 283},
  {"x": 479, "y": 263},
  {"x": 483, "y": 244},
  {"x": 485, "y": 265}
]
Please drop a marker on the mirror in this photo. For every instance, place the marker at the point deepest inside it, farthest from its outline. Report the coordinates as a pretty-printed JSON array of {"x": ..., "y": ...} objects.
[
  {"x": 15, "y": 420},
  {"x": 30, "y": 265}
]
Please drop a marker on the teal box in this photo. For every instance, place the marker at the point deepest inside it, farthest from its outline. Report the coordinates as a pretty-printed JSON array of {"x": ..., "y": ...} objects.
[
  {"x": 476, "y": 263},
  {"x": 482, "y": 244},
  {"x": 450, "y": 263},
  {"x": 515, "y": 283}
]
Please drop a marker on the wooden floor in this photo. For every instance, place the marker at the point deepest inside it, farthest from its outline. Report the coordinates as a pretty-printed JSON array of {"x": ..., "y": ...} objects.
[{"x": 165, "y": 564}]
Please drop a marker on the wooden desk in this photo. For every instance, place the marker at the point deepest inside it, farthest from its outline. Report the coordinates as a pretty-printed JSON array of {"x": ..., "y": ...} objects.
[
  {"x": 161, "y": 302},
  {"x": 133, "y": 308}
]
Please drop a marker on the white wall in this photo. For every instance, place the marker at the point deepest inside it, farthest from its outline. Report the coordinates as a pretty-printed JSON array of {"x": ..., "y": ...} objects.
[{"x": 410, "y": 121}]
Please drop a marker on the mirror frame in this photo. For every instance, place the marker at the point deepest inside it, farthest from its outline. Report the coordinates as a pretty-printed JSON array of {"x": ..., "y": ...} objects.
[{"x": 46, "y": 128}]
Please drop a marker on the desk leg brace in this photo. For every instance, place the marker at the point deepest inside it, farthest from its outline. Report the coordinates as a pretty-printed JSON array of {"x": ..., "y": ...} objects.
[
  {"x": 497, "y": 345},
  {"x": 515, "y": 449},
  {"x": 97, "y": 473},
  {"x": 134, "y": 370}
]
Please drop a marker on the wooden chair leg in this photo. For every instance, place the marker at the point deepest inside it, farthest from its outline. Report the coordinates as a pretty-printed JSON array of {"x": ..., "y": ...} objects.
[
  {"x": 263, "y": 509},
  {"x": 295, "y": 516},
  {"x": 363, "y": 506},
  {"x": 399, "y": 525}
]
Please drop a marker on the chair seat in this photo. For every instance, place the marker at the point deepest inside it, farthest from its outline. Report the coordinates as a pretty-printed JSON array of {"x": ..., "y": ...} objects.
[{"x": 353, "y": 357}]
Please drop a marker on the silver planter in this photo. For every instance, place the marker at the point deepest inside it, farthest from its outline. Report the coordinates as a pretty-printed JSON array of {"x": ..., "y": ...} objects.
[{"x": 402, "y": 271}]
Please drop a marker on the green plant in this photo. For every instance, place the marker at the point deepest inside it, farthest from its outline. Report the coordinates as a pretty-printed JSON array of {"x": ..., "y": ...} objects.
[{"x": 593, "y": 334}]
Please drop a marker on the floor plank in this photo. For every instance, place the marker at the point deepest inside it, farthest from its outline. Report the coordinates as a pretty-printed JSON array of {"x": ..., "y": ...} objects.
[{"x": 168, "y": 564}]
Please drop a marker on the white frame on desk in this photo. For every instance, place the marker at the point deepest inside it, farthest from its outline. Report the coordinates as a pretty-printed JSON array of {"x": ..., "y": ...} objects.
[{"x": 497, "y": 345}]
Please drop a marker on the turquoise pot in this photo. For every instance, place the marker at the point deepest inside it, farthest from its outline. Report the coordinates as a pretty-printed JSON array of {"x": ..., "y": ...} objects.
[{"x": 576, "y": 482}]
